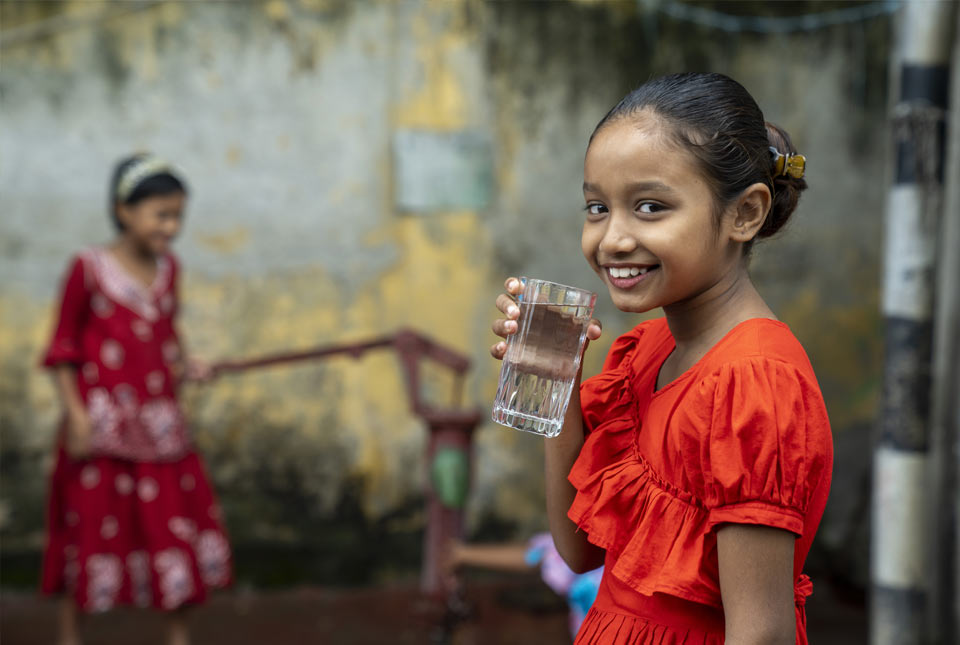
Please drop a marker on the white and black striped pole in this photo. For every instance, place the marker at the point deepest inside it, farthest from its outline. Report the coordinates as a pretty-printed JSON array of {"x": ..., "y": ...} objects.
[
  {"x": 899, "y": 557},
  {"x": 944, "y": 619}
]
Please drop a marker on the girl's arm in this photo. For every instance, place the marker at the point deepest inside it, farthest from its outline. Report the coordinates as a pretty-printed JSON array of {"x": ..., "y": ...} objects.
[
  {"x": 65, "y": 354},
  {"x": 78, "y": 422},
  {"x": 560, "y": 452},
  {"x": 756, "y": 584}
]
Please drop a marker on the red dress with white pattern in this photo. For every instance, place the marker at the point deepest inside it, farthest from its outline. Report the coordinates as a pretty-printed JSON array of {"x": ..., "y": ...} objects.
[{"x": 137, "y": 522}]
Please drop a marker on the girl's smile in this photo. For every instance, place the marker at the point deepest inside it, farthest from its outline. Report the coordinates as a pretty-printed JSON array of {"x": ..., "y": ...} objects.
[{"x": 627, "y": 276}]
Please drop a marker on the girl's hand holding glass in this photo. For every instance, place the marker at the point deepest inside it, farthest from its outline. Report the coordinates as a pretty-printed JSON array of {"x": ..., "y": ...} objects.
[{"x": 504, "y": 327}]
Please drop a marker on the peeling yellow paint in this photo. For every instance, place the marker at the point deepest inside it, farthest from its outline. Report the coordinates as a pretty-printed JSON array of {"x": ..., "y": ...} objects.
[
  {"x": 136, "y": 35},
  {"x": 234, "y": 155},
  {"x": 277, "y": 10},
  {"x": 171, "y": 13},
  {"x": 225, "y": 241},
  {"x": 433, "y": 288},
  {"x": 439, "y": 103},
  {"x": 317, "y": 5}
]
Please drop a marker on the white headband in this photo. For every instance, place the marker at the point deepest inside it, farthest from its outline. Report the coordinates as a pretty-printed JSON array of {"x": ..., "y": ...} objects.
[{"x": 136, "y": 172}]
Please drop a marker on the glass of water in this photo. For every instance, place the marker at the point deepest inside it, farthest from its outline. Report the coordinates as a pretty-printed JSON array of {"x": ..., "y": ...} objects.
[{"x": 543, "y": 357}]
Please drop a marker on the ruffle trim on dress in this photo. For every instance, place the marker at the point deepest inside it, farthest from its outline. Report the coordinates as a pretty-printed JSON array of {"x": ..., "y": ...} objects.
[
  {"x": 650, "y": 526},
  {"x": 611, "y": 628},
  {"x": 626, "y": 508},
  {"x": 607, "y": 628}
]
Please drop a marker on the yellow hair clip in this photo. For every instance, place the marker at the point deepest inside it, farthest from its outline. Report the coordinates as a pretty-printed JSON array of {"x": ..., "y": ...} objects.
[{"x": 791, "y": 164}]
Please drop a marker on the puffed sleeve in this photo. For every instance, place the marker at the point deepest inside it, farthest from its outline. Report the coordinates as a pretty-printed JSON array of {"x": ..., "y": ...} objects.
[
  {"x": 768, "y": 445},
  {"x": 65, "y": 347}
]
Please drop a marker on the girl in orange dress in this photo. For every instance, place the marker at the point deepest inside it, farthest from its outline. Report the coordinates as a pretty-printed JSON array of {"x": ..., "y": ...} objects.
[{"x": 696, "y": 465}]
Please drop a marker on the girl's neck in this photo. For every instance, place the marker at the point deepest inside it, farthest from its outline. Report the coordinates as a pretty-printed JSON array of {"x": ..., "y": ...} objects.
[
  {"x": 139, "y": 264},
  {"x": 129, "y": 250},
  {"x": 701, "y": 322}
]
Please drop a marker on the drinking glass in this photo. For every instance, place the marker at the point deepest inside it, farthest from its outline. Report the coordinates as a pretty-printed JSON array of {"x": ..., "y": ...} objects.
[{"x": 543, "y": 356}]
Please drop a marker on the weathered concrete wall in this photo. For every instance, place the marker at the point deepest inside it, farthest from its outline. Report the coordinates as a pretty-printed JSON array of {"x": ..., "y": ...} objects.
[{"x": 356, "y": 167}]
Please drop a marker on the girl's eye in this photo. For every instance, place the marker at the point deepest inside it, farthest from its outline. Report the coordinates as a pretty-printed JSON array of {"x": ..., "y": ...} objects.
[
  {"x": 649, "y": 207},
  {"x": 596, "y": 209}
]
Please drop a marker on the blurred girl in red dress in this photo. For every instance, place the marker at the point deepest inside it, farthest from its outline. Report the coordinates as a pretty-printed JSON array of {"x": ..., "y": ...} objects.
[
  {"x": 696, "y": 465},
  {"x": 132, "y": 519}
]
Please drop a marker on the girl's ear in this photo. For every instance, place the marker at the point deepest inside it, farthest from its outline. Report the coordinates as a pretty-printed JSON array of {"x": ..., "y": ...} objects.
[
  {"x": 749, "y": 213},
  {"x": 124, "y": 214}
]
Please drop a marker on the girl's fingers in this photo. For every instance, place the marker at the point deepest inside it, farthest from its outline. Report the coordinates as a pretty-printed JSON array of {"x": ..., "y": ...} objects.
[
  {"x": 508, "y": 306},
  {"x": 513, "y": 286},
  {"x": 594, "y": 329},
  {"x": 504, "y": 328},
  {"x": 498, "y": 350}
]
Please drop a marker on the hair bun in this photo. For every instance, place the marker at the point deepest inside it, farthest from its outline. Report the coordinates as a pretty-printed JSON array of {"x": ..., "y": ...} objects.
[{"x": 786, "y": 189}]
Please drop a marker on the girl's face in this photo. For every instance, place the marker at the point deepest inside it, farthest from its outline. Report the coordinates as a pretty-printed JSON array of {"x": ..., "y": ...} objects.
[
  {"x": 651, "y": 231},
  {"x": 153, "y": 223}
]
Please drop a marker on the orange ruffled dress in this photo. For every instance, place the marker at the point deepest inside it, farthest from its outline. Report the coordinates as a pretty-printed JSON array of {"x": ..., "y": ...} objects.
[{"x": 741, "y": 437}]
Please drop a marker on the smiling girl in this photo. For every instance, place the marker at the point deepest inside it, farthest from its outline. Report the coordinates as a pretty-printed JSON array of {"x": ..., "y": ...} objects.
[
  {"x": 696, "y": 465},
  {"x": 131, "y": 518}
]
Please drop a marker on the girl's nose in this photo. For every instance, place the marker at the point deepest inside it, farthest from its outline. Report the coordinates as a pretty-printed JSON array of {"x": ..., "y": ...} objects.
[{"x": 617, "y": 240}]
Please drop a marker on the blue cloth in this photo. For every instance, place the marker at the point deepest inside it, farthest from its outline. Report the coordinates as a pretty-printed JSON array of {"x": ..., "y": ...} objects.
[{"x": 580, "y": 590}]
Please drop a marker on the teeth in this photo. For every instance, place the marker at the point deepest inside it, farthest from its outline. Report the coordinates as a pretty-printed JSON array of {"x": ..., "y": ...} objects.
[{"x": 626, "y": 272}]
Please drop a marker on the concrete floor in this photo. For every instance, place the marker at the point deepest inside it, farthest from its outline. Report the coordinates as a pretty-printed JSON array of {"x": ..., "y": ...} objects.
[{"x": 503, "y": 611}]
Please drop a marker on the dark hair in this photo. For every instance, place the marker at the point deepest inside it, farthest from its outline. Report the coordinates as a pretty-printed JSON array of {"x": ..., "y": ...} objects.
[
  {"x": 717, "y": 120},
  {"x": 160, "y": 184}
]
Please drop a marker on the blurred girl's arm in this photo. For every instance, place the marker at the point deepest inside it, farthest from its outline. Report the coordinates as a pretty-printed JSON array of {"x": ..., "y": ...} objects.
[
  {"x": 65, "y": 354},
  {"x": 756, "y": 584},
  {"x": 498, "y": 557},
  {"x": 65, "y": 380},
  {"x": 77, "y": 440}
]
